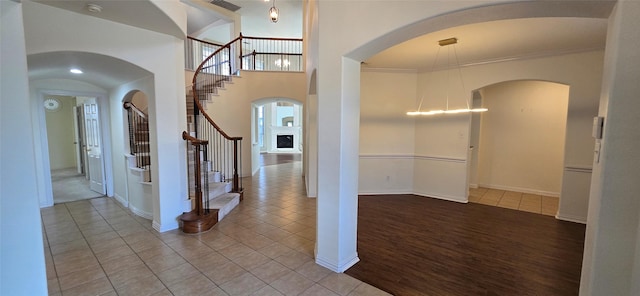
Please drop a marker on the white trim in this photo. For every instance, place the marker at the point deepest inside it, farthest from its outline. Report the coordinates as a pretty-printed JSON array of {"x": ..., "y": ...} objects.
[
  {"x": 443, "y": 197},
  {"x": 536, "y": 55},
  {"x": 141, "y": 213},
  {"x": 575, "y": 219},
  {"x": 578, "y": 169},
  {"x": 474, "y": 186},
  {"x": 337, "y": 268},
  {"x": 413, "y": 157},
  {"x": 121, "y": 200},
  {"x": 389, "y": 70},
  {"x": 440, "y": 158},
  {"x": 385, "y": 193},
  {"x": 387, "y": 156},
  {"x": 166, "y": 227},
  {"x": 523, "y": 190}
]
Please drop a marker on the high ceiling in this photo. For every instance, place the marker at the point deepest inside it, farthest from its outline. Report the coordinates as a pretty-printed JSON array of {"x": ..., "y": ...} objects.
[
  {"x": 497, "y": 40},
  {"x": 142, "y": 14},
  {"x": 477, "y": 43}
]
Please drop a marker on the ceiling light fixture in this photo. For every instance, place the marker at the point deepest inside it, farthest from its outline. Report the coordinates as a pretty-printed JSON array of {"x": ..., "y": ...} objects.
[
  {"x": 94, "y": 8},
  {"x": 446, "y": 42},
  {"x": 274, "y": 12},
  {"x": 75, "y": 71}
]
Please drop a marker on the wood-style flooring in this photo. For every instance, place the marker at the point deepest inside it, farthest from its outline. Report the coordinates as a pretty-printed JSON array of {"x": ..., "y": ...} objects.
[
  {"x": 411, "y": 245},
  {"x": 278, "y": 158}
]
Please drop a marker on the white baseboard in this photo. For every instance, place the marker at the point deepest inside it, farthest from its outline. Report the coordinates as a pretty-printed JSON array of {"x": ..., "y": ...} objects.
[
  {"x": 574, "y": 219},
  {"x": 164, "y": 227},
  {"x": 523, "y": 190},
  {"x": 121, "y": 200},
  {"x": 443, "y": 197},
  {"x": 337, "y": 268},
  {"x": 141, "y": 213},
  {"x": 384, "y": 193},
  {"x": 473, "y": 186}
]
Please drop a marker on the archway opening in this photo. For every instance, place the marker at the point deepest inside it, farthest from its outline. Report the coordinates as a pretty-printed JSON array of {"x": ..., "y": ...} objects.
[
  {"x": 517, "y": 149},
  {"x": 277, "y": 132}
]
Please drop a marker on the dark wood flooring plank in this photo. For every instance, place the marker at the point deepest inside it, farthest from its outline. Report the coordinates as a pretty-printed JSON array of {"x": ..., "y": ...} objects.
[{"x": 411, "y": 245}]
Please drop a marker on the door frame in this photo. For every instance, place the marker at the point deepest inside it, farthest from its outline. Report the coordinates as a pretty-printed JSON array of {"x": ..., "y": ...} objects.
[{"x": 46, "y": 200}]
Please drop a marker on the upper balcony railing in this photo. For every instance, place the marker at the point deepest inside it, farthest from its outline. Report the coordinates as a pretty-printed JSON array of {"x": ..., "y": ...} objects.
[
  {"x": 245, "y": 53},
  {"x": 196, "y": 51}
]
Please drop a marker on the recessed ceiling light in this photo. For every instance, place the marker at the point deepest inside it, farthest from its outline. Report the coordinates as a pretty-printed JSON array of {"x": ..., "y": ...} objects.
[{"x": 75, "y": 71}]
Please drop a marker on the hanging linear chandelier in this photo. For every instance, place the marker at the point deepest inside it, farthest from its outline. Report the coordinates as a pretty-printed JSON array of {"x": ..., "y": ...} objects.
[{"x": 443, "y": 43}]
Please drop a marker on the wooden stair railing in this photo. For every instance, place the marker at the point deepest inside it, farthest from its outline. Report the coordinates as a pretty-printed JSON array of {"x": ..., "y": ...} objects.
[
  {"x": 201, "y": 218},
  {"x": 139, "y": 138}
]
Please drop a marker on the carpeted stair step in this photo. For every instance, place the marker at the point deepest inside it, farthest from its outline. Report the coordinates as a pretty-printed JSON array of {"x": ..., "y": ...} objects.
[{"x": 224, "y": 203}]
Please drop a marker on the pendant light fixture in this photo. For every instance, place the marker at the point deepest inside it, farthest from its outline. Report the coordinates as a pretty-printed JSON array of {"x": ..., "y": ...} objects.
[
  {"x": 274, "y": 12},
  {"x": 442, "y": 43}
]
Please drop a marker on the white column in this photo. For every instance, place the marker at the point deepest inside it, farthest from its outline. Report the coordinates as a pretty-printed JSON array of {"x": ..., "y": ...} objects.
[
  {"x": 338, "y": 137},
  {"x": 610, "y": 265},
  {"x": 166, "y": 122},
  {"x": 21, "y": 253}
]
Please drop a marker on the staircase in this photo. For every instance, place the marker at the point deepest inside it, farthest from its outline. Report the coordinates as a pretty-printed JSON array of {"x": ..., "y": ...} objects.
[
  {"x": 216, "y": 191},
  {"x": 215, "y": 164}
]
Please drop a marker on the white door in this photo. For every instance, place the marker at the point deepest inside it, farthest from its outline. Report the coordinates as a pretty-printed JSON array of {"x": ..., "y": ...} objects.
[{"x": 93, "y": 147}]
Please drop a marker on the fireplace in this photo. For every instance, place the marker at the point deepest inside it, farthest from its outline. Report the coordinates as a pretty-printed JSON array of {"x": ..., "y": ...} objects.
[{"x": 284, "y": 141}]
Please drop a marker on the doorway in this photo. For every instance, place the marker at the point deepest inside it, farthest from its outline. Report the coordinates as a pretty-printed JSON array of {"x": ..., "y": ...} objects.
[
  {"x": 277, "y": 132},
  {"x": 74, "y": 145},
  {"x": 517, "y": 147}
]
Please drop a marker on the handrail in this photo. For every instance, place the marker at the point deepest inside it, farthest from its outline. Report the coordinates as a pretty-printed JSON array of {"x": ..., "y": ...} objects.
[
  {"x": 273, "y": 38},
  {"x": 187, "y": 137},
  {"x": 129, "y": 105},
  {"x": 216, "y": 126},
  {"x": 204, "y": 41},
  {"x": 194, "y": 49}
]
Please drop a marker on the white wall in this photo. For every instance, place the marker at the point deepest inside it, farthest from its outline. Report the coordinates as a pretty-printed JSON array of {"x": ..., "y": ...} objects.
[
  {"x": 310, "y": 44},
  {"x": 232, "y": 108},
  {"x": 441, "y": 142},
  {"x": 522, "y": 136},
  {"x": 610, "y": 262},
  {"x": 127, "y": 187},
  {"x": 386, "y": 134},
  {"x": 23, "y": 270},
  {"x": 162, "y": 55},
  {"x": 62, "y": 152},
  {"x": 581, "y": 71}
]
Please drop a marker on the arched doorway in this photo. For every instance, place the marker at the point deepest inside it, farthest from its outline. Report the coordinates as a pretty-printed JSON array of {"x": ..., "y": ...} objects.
[
  {"x": 339, "y": 94},
  {"x": 517, "y": 149},
  {"x": 277, "y": 129}
]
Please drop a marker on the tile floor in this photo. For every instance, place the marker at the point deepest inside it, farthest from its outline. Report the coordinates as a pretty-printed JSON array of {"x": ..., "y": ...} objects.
[
  {"x": 540, "y": 204},
  {"x": 263, "y": 247},
  {"x": 68, "y": 185}
]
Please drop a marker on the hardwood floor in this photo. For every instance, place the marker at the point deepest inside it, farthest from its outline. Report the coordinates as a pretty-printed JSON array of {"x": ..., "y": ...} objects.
[
  {"x": 411, "y": 245},
  {"x": 278, "y": 158}
]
